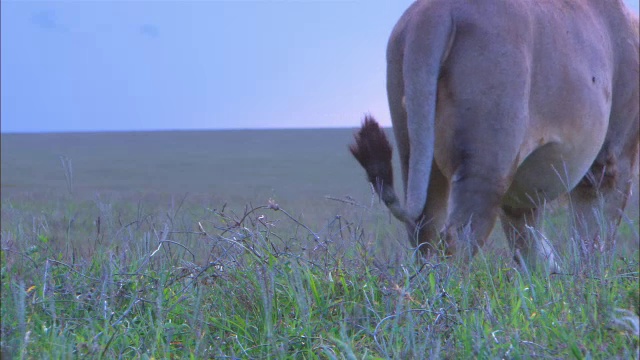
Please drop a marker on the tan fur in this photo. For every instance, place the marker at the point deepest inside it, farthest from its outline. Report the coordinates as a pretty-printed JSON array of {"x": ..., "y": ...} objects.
[{"x": 499, "y": 106}]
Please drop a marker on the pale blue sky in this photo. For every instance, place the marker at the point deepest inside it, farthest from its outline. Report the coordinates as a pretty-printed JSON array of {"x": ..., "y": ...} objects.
[{"x": 155, "y": 65}]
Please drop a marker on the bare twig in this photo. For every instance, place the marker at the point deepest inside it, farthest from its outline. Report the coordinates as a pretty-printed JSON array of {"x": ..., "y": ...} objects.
[
  {"x": 24, "y": 255},
  {"x": 72, "y": 269},
  {"x": 346, "y": 200},
  {"x": 175, "y": 243},
  {"x": 276, "y": 207}
]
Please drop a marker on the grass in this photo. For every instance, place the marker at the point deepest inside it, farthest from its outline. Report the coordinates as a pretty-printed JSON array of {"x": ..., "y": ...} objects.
[{"x": 153, "y": 272}]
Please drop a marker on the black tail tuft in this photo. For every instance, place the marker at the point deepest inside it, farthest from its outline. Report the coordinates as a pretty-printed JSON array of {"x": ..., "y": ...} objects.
[{"x": 373, "y": 151}]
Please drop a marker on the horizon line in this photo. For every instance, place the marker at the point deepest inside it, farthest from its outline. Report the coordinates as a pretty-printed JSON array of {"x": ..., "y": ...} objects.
[{"x": 2, "y": 132}]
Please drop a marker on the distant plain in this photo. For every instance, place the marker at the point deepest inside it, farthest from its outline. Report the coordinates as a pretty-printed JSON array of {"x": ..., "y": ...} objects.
[{"x": 297, "y": 168}]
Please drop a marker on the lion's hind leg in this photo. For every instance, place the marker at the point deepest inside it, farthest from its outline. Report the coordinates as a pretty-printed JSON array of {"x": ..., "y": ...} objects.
[{"x": 529, "y": 245}]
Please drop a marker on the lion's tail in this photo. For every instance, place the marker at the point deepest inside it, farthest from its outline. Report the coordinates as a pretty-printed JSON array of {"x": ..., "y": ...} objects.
[{"x": 373, "y": 151}]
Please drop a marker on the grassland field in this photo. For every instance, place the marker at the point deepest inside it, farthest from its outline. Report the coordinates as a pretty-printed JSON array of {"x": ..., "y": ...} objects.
[{"x": 255, "y": 244}]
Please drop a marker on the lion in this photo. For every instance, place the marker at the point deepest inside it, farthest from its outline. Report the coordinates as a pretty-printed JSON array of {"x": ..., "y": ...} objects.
[{"x": 500, "y": 106}]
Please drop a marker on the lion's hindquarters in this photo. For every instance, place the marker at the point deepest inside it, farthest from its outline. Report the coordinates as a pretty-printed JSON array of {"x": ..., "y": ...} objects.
[{"x": 504, "y": 120}]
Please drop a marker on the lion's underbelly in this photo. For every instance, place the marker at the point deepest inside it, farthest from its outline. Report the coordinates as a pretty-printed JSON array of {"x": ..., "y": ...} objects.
[{"x": 555, "y": 167}]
